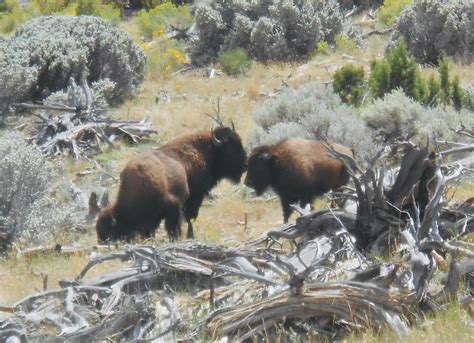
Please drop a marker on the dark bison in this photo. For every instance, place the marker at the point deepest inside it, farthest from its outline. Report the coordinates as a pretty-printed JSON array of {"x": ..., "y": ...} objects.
[
  {"x": 170, "y": 183},
  {"x": 298, "y": 170}
]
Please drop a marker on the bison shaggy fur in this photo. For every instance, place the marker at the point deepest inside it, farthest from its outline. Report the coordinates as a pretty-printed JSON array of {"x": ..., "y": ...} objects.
[
  {"x": 170, "y": 183},
  {"x": 298, "y": 170}
]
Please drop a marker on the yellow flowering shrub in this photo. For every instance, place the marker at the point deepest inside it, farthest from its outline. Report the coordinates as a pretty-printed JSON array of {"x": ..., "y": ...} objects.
[
  {"x": 155, "y": 22},
  {"x": 164, "y": 56}
]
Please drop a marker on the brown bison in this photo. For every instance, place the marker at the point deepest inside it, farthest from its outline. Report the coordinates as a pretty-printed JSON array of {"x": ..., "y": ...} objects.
[
  {"x": 298, "y": 170},
  {"x": 170, "y": 183}
]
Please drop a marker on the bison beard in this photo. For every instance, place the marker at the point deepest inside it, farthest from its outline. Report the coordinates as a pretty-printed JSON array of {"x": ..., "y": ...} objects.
[
  {"x": 298, "y": 170},
  {"x": 170, "y": 183}
]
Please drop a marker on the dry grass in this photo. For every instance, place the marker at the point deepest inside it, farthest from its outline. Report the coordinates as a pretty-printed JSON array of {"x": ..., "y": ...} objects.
[
  {"x": 23, "y": 276},
  {"x": 450, "y": 325}
]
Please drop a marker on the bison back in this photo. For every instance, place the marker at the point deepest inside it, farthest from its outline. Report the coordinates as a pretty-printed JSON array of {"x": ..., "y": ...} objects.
[{"x": 306, "y": 167}]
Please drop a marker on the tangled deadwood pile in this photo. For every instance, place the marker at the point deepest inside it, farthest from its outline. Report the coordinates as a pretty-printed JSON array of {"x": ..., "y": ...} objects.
[
  {"x": 320, "y": 276},
  {"x": 82, "y": 130}
]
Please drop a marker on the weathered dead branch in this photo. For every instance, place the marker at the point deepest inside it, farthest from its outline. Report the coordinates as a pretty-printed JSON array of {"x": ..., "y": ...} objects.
[{"x": 82, "y": 130}]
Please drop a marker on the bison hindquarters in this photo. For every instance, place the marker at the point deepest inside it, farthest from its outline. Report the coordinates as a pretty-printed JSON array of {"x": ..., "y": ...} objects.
[{"x": 153, "y": 187}]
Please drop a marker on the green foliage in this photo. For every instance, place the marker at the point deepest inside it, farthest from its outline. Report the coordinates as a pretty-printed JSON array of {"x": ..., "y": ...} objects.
[
  {"x": 433, "y": 92},
  {"x": 445, "y": 84},
  {"x": 267, "y": 29},
  {"x": 390, "y": 10},
  {"x": 235, "y": 62},
  {"x": 344, "y": 44},
  {"x": 97, "y": 8},
  {"x": 397, "y": 70},
  {"x": 322, "y": 48},
  {"x": 41, "y": 57},
  {"x": 158, "y": 20},
  {"x": 404, "y": 72},
  {"x": 348, "y": 82},
  {"x": 379, "y": 81},
  {"x": 16, "y": 15},
  {"x": 457, "y": 94},
  {"x": 13, "y": 17}
]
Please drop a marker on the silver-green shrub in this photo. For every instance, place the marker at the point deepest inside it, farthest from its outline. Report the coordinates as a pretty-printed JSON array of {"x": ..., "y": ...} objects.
[
  {"x": 397, "y": 117},
  {"x": 28, "y": 210},
  {"x": 433, "y": 28},
  {"x": 312, "y": 111},
  {"x": 267, "y": 29},
  {"x": 44, "y": 53},
  {"x": 101, "y": 90},
  {"x": 468, "y": 99}
]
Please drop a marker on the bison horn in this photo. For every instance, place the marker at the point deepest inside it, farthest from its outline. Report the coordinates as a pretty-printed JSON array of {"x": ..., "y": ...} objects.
[
  {"x": 232, "y": 125},
  {"x": 216, "y": 141}
]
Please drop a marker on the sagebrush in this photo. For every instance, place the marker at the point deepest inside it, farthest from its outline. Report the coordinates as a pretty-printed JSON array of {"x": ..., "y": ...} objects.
[
  {"x": 312, "y": 111},
  {"x": 397, "y": 118},
  {"x": 433, "y": 28},
  {"x": 29, "y": 212},
  {"x": 42, "y": 55},
  {"x": 267, "y": 29}
]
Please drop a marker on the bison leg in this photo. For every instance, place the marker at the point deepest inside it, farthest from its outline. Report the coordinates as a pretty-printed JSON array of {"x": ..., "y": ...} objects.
[
  {"x": 190, "y": 229},
  {"x": 173, "y": 221},
  {"x": 287, "y": 210},
  {"x": 191, "y": 212}
]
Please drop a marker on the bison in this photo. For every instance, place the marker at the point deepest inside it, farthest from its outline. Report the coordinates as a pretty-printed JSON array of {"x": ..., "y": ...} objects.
[
  {"x": 170, "y": 183},
  {"x": 298, "y": 170}
]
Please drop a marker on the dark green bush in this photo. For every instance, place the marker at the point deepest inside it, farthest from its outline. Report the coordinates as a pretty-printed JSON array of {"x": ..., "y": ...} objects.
[
  {"x": 445, "y": 84},
  {"x": 348, "y": 82},
  {"x": 235, "y": 62},
  {"x": 433, "y": 92},
  {"x": 457, "y": 94},
  {"x": 379, "y": 81},
  {"x": 397, "y": 70}
]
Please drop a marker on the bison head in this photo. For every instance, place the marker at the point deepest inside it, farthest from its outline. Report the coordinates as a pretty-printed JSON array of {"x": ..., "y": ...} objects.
[
  {"x": 106, "y": 226},
  {"x": 259, "y": 176},
  {"x": 231, "y": 158}
]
